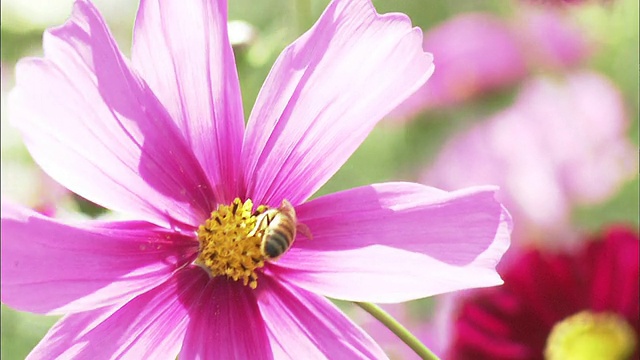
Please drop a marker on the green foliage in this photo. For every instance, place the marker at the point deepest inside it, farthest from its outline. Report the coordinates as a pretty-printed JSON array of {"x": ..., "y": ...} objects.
[{"x": 21, "y": 332}]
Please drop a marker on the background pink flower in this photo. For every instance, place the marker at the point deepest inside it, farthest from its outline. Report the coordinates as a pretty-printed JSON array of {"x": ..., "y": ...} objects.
[
  {"x": 477, "y": 53},
  {"x": 162, "y": 139},
  {"x": 547, "y": 155},
  {"x": 550, "y": 39},
  {"x": 474, "y": 53}
]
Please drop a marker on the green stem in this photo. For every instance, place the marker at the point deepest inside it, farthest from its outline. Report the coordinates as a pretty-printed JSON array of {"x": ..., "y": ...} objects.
[{"x": 400, "y": 331}]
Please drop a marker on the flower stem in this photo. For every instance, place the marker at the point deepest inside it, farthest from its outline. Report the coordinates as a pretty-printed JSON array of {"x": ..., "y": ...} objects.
[{"x": 400, "y": 331}]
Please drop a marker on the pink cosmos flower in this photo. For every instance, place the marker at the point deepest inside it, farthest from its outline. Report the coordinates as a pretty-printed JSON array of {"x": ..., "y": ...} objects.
[
  {"x": 582, "y": 303},
  {"x": 549, "y": 39},
  {"x": 477, "y": 53},
  {"x": 163, "y": 140},
  {"x": 547, "y": 155}
]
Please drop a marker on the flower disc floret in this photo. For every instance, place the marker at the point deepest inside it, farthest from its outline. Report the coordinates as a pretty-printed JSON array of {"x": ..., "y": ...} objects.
[
  {"x": 229, "y": 246},
  {"x": 588, "y": 335}
]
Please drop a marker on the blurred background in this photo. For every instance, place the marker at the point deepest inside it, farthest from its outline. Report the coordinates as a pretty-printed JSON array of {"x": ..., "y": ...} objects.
[{"x": 538, "y": 97}]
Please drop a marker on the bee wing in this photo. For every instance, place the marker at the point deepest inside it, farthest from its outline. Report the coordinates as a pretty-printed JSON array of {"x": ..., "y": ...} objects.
[{"x": 304, "y": 230}]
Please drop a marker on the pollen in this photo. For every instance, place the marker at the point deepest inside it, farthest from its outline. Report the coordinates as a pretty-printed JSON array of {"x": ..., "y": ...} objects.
[
  {"x": 229, "y": 243},
  {"x": 591, "y": 336}
]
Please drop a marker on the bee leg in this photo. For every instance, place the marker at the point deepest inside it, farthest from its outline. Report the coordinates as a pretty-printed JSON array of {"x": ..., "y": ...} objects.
[{"x": 261, "y": 219}]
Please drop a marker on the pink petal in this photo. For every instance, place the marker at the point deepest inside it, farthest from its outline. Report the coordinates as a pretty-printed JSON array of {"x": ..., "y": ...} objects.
[
  {"x": 475, "y": 53},
  {"x": 395, "y": 242},
  {"x": 54, "y": 268},
  {"x": 226, "y": 324},
  {"x": 182, "y": 50},
  {"x": 98, "y": 129},
  {"x": 151, "y": 326},
  {"x": 323, "y": 96},
  {"x": 304, "y": 325}
]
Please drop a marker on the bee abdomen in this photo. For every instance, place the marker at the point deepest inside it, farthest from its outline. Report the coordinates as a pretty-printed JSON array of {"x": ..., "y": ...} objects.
[{"x": 276, "y": 243}]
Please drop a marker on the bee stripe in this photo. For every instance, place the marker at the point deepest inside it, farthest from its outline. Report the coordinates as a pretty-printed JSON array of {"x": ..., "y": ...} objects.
[
  {"x": 287, "y": 227},
  {"x": 276, "y": 243},
  {"x": 272, "y": 250},
  {"x": 284, "y": 238}
]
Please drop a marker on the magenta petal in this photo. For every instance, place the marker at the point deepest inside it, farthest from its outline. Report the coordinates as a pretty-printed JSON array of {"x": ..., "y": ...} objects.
[
  {"x": 54, "y": 268},
  {"x": 395, "y": 242},
  {"x": 151, "y": 326},
  {"x": 323, "y": 96},
  {"x": 304, "y": 325},
  {"x": 97, "y": 128},
  {"x": 226, "y": 324},
  {"x": 182, "y": 50}
]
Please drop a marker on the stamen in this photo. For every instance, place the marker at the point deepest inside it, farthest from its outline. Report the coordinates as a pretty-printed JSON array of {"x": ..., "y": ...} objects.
[{"x": 230, "y": 243}]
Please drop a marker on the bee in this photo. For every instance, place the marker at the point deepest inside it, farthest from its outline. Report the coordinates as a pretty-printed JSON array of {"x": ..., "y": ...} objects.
[{"x": 280, "y": 226}]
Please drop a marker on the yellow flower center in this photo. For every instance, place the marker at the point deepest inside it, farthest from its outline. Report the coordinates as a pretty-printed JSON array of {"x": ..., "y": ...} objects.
[
  {"x": 587, "y": 335},
  {"x": 229, "y": 245}
]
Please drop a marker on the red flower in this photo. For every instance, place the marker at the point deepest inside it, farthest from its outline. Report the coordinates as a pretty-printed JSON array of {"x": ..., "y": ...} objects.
[{"x": 550, "y": 300}]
